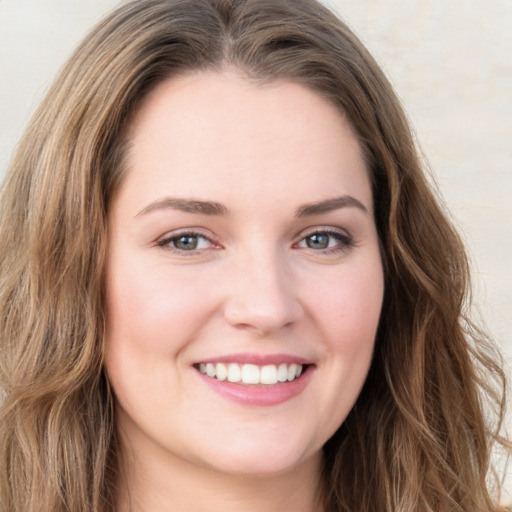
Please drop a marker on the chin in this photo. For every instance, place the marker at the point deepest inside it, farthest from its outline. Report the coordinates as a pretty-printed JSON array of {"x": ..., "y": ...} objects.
[{"x": 262, "y": 460}]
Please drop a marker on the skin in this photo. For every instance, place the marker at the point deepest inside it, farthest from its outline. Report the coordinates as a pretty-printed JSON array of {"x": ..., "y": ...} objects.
[{"x": 258, "y": 282}]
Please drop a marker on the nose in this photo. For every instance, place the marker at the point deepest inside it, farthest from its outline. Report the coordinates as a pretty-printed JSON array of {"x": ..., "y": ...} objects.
[{"x": 262, "y": 295}]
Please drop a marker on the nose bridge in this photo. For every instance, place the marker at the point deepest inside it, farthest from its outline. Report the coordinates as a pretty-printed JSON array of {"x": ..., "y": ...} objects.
[{"x": 262, "y": 292}]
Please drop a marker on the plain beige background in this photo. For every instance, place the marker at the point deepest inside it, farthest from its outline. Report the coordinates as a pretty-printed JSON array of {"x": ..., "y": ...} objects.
[{"x": 450, "y": 62}]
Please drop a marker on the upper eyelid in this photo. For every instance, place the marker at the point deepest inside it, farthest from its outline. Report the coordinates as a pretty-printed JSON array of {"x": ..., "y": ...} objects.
[
  {"x": 166, "y": 243},
  {"x": 322, "y": 229},
  {"x": 186, "y": 231}
]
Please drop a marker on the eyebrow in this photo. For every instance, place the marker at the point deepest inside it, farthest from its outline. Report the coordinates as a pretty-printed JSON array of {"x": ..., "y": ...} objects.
[
  {"x": 329, "y": 205},
  {"x": 185, "y": 205},
  {"x": 199, "y": 207}
]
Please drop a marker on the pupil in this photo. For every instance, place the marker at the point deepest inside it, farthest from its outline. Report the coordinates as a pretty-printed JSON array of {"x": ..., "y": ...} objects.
[
  {"x": 318, "y": 241},
  {"x": 186, "y": 243}
]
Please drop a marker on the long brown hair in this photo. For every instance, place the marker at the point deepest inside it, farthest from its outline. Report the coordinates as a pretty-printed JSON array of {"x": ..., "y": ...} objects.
[{"x": 420, "y": 434}]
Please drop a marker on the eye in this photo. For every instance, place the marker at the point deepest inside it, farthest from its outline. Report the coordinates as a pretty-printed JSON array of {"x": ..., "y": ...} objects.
[
  {"x": 186, "y": 242},
  {"x": 326, "y": 241}
]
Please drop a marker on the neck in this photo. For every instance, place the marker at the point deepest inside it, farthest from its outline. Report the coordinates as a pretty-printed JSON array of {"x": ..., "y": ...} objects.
[{"x": 165, "y": 487}]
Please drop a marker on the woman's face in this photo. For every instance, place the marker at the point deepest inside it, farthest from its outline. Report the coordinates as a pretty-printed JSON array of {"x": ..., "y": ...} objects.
[{"x": 243, "y": 252}]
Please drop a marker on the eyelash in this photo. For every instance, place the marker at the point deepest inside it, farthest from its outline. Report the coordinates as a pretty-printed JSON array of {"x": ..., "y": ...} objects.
[
  {"x": 166, "y": 243},
  {"x": 344, "y": 241}
]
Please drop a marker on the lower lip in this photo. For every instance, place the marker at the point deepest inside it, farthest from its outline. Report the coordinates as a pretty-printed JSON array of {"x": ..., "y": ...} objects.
[{"x": 259, "y": 395}]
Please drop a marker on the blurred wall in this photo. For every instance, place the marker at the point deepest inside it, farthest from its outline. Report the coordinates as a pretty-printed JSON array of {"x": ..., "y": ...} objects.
[{"x": 450, "y": 62}]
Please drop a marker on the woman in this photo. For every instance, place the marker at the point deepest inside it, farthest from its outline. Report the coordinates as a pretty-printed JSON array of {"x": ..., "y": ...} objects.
[{"x": 226, "y": 282}]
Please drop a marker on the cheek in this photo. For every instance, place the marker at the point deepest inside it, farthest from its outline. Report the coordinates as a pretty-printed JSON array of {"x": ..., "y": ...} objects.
[
  {"x": 151, "y": 316},
  {"x": 149, "y": 309},
  {"x": 346, "y": 310},
  {"x": 348, "y": 306},
  {"x": 348, "y": 313}
]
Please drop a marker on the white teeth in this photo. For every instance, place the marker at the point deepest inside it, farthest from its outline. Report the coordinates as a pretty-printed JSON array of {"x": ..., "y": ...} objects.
[
  {"x": 252, "y": 374},
  {"x": 221, "y": 372},
  {"x": 292, "y": 371},
  {"x": 210, "y": 370},
  {"x": 282, "y": 373},
  {"x": 269, "y": 374},
  {"x": 234, "y": 373}
]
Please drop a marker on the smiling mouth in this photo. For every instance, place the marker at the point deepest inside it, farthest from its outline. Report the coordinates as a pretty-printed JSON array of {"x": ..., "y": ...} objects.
[{"x": 252, "y": 374}]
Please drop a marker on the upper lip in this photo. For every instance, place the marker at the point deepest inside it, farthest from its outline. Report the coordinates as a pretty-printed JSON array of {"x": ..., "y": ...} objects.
[{"x": 257, "y": 359}]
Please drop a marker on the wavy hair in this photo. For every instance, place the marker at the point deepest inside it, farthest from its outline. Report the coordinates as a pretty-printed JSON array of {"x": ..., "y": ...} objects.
[{"x": 419, "y": 436}]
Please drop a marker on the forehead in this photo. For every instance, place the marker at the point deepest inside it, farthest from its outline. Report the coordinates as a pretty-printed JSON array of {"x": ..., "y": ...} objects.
[{"x": 204, "y": 132}]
